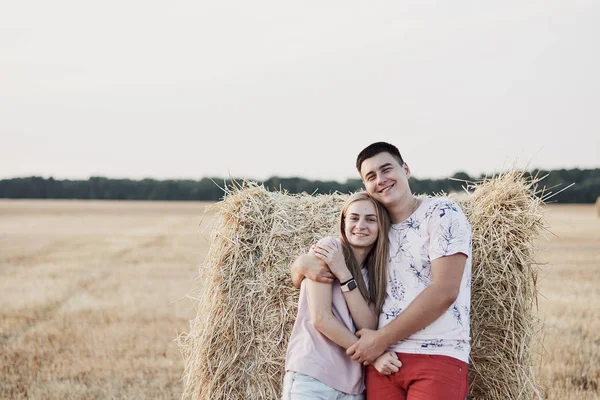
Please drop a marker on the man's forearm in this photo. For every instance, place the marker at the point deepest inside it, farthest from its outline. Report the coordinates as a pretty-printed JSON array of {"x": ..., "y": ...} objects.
[
  {"x": 309, "y": 266},
  {"x": 424, "y": 310},
  {"x": 297, "y": 272}
]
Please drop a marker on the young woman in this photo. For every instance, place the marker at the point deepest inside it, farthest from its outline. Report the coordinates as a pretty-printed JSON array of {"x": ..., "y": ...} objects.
[{"x": 317, "y": 366}]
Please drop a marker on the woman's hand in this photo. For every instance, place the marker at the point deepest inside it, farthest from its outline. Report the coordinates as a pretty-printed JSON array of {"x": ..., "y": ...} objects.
[
  {"x": 387, "y": 363},
  {"x": 330, "y": 251}
]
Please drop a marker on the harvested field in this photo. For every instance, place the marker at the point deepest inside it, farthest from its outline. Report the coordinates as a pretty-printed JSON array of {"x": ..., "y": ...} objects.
[
  {"x": 569, "y": 363},
  {"x": 90, "y": 298}
]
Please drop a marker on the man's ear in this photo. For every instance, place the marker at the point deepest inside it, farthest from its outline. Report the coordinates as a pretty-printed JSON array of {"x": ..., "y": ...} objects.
[{"x": 406, "y": 170}]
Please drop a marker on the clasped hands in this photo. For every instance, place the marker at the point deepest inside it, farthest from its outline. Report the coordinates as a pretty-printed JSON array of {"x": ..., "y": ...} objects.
[{"x": 367, "y": 348}]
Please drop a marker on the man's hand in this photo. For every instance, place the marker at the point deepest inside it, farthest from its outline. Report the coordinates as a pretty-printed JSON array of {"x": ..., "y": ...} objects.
[
  {"x": 320, "y": 273},
  {"x": 368, "y": 347},
  {"x": 309, "y": 266}
]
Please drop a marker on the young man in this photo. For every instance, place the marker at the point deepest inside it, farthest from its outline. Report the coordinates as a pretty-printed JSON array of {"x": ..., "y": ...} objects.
[{"x": 425, "y": 317}]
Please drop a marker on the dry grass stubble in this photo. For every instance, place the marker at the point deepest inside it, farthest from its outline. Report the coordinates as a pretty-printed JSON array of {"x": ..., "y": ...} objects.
[
  {"x": 89, "y": 290},
  {"x": 89, "y": 310},
  {"x": 568, "y": 365}
]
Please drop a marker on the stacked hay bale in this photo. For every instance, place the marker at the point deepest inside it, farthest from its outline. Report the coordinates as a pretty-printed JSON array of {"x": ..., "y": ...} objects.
[
  {"x": 236, "y": 345},
  {"x": 505, "y": 217}
]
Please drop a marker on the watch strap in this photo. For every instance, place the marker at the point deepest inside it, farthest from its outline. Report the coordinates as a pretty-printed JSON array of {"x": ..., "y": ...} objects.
[
  {"x": 345, "y": 282},
  {"x": 349, "y": 285}
]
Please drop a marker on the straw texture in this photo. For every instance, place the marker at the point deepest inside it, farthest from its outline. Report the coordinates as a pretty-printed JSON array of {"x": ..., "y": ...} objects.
[
  {"x": 235, "y": 348},
  {"x": 506, "y": 217}
]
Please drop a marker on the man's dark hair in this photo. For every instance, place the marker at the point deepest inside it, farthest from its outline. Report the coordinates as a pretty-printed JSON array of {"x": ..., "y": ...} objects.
[{"x": 376, "y": 148}]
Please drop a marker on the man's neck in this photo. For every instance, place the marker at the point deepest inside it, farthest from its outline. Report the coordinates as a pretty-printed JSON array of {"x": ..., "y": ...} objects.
[{"x": 403, "y": 209}]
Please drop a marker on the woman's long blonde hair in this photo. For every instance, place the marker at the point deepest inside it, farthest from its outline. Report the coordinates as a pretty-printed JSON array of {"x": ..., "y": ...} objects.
[{"x": 376, "y": 260}]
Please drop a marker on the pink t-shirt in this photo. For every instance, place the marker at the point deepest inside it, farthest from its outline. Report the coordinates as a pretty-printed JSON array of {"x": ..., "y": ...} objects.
[{"x": 312, "y": 353}]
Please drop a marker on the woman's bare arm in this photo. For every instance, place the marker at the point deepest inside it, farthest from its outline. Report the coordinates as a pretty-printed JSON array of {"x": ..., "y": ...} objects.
[
  {"x": 319, "y": 302},
  {"x": 362, "y": 312}
]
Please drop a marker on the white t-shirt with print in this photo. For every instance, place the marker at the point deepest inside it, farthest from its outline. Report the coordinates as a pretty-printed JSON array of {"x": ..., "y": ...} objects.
[{"x": 437, "y": 228}]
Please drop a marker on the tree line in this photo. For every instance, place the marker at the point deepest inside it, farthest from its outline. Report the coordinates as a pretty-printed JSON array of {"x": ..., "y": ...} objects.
[{"x": 585, "y": 187}]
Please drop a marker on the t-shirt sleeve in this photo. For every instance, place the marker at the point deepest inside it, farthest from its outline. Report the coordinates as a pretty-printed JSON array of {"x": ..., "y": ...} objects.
[{"x": 449, "y": 231}]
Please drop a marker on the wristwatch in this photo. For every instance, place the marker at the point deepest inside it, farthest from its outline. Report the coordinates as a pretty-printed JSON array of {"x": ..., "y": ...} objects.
[{"x": 349, "y": 285}]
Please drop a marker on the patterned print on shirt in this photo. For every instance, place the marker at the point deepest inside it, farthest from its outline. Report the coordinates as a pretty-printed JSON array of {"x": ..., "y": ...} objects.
[
  {"x": 396, "y": 287},
  {"x": 422, "y": 275},
  {"x": 413, "y": 224},
  {"x": 456, "y": 313},
  {"x": 468, "y": 280},
  {"x": 403, "y": 246},
  {"x": 448, "y": 236},
  {"x": 432, "y": 343},
  {"x": 460, "y": 345},
  {"x": 393, "y": 313},
  {"x": 429, "y": 211},
  {"x": 425, "y": 260},
  {"x": 439, "y": 208},
  {"x": 447, "y": 205}
]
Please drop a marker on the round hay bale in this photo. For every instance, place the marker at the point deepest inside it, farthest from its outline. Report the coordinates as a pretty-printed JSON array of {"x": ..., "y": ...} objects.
[{"x": 236, "y": 345}]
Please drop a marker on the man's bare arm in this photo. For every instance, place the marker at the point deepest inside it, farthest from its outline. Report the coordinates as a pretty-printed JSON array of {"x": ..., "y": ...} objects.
[
  {"x": 311, "y": 267},
  {"x": 426, "y": 308}
]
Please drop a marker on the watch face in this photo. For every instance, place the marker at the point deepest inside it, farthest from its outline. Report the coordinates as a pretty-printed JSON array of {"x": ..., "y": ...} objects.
[{"x": 351, "y": 285}]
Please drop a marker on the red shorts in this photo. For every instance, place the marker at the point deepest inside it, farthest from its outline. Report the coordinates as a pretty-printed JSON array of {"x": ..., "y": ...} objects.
[{"x": 421, "y": 377}]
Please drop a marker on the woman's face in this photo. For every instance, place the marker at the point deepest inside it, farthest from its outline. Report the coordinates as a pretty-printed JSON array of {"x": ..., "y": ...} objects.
[{"x": 361, "y": 225}]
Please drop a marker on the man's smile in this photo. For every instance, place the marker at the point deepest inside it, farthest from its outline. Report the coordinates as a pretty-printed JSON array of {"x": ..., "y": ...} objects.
[{"x": 386, "y": 189}]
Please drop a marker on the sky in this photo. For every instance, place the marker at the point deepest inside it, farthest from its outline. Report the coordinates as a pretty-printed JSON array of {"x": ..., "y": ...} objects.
[{"x": 191, "y": 89}]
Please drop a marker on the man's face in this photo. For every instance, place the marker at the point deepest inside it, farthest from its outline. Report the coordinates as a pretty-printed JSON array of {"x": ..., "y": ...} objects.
[{"x": 385, "y": 179}]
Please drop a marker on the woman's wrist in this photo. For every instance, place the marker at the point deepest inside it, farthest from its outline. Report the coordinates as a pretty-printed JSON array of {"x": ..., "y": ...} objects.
[{"x": 343, "y": 275}]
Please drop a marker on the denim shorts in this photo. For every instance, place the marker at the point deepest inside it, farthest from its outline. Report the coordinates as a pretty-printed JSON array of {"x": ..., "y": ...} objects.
[{"x": 297, "y": 386}]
